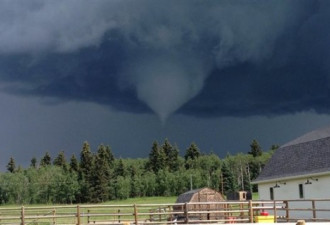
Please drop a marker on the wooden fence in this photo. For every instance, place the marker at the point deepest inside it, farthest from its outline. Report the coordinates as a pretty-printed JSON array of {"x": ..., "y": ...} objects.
[{"x": 201, "y": 212}]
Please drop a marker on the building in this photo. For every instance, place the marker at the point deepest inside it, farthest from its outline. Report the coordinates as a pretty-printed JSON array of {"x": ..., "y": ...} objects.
[
  {"x": 202, "y": 195},
  {"x": 299, "y": 170}
]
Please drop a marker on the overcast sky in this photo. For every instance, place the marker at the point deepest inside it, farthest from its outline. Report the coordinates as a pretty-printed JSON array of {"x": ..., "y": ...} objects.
[{"x": 125, "y": 73}]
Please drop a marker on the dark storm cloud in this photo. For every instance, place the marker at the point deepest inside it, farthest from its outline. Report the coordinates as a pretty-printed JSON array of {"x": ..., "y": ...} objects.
[{"x": 203, "y": 58}]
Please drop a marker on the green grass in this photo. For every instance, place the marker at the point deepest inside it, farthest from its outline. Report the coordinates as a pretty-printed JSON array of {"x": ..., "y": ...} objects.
[
  {"x": 117, "y": 206},
  {"x": 143, "y": 200}
]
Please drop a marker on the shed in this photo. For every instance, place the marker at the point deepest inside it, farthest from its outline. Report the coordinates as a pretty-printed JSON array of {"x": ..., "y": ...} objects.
[{"x": 202, "y": 195}]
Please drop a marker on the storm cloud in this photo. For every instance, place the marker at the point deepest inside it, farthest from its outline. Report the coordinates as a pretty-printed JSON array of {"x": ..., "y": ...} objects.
[{"x": 201, "y": 58}]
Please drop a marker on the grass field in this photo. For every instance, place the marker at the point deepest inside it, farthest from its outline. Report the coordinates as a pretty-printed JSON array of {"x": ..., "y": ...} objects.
[
  {"x": 119, "y": 210},
  {"x": 144, "y": 200}
]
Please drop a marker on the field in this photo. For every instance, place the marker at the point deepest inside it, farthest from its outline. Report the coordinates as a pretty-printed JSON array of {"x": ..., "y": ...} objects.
[
  {"x": 119, "y": 210},
  {"x": 65, "y": 214}
]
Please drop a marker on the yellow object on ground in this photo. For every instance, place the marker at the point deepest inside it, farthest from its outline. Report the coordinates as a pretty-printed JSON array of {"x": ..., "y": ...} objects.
[{"x": 264, "y": 219}]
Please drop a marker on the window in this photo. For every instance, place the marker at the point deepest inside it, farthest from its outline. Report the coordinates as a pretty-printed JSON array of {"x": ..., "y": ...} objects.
[
  {"x": 271, "y": 190},
  {"x": 301, "y": 191}
]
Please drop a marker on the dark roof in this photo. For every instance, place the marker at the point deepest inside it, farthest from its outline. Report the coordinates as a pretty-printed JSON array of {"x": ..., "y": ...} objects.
[
  {"x": 308, "y": 154},
  {"x": 311, "y": 136},
  {"x": 186, "y": 197}
]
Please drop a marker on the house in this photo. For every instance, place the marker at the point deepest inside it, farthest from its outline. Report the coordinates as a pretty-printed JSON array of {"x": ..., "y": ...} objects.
[{"x": 299, "y": 169}]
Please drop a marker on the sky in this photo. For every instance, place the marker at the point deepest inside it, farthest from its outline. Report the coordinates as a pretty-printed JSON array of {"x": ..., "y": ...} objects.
[{"x": 126, "y": 73}]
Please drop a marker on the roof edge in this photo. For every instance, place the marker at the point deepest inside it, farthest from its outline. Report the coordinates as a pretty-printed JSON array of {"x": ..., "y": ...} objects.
[{"x": 290, "y": 177}]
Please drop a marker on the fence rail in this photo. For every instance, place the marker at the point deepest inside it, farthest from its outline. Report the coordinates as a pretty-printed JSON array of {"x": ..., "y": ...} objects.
[{"x": 182, "y": 213}]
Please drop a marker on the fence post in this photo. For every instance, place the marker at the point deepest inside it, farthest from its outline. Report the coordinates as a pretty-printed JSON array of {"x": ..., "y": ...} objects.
[
  {"x": 314, "y": 211},
  {"x": 118, "y": 215},
  {"x": 186, "y": 212},
  {"x": 135, "y": 214},
  {"x": 251, "y": 211},
  {"x": 22, "y": 216},
  {"x": 78, "y": 215},
  {"x": 287, "y": 214},
  {"x": 54, "y": 214},
  {"x": 275, "y": 212}
]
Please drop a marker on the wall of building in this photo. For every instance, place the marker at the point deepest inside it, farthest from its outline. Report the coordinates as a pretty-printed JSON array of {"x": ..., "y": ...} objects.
[{"x": 289, "y": 190}]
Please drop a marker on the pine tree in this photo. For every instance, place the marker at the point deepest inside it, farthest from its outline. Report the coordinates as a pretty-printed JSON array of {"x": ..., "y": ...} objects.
[
  {"x": 101, "y": 176},
  {"x": 11, "y": 167},
  {"x": 157, "y": 158},
  {"x": 171, "y": 156},
  {"x": 110, "y": 156},
  {"x": 228, "y": 181},
  {"x": 74, "y": 165},
  {"x": 60, "y": 161},
  {"x": 255, "y": 149},
  {"x": 33, "y": 162},
  {"x": 120, "y": 169},
  {"x": 85, "y": 172},
  {"x": 192, "y": 153},
  {"x": 86, "y": 159},
  {"x": 46, "y": 160}
]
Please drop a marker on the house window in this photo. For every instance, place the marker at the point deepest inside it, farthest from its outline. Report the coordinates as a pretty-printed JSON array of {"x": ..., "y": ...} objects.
[
  {"x": 301, "y": 191},
  {"x": 271, "y": 191}
]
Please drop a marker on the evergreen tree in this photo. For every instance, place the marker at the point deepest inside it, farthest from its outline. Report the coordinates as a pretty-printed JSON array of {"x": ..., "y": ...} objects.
[
  {"x": 60, "y": 161},
  {"x": 101, "y": 176},
  {"x": 85, "y": 172},
  {"x": 228, "y": 180},
  {"x": 171, "y": 156},
  {"x": 74, "y": 165},
  {"x": 120, "y": 169},
  {"x": 255, "y": 149},
  {"x": 46, "y": 160},
  {"x": 86, "y": 159},
  {"x": 33, "y": 163},
  {"x": 274, "y": 147},
  {"x": 110, "y": 156},
  {"x": 11, "y": 167},
  {"x": 157, "y": 158},
  {"x": 192, "y": 153}
]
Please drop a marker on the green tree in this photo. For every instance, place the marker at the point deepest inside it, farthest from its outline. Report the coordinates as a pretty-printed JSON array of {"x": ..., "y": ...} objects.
[
  {"x": 14, "y": 187},
  {"x": 60, "y": 161},
  {"x": 33, "y": 163},
  {"x": 192, "y": 153},
  {"x": 171, "y": 156},
  {"x": 149, "y": 184},
  {"x": 110, "y": 156},
  {"x": 228, "y": 179},
  {"x": 120, "y": 169},
  {"x": 157, "y": 158},
  {"x": 11, "y": 167},
  {"x": 101, "y": 176},
  {"x": 255, "y": 149},
  {"x": 85, "y": 172},
  {"x": 46, "y": 160},
  {"x": 74, "y": 165},
  {"x": 122, "y": 187}
]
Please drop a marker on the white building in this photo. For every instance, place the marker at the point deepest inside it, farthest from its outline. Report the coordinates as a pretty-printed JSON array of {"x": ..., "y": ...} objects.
[{"x": 299, "y": 170}]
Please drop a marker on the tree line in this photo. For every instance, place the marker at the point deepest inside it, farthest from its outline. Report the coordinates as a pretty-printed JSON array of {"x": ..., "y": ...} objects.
[{"x": 99, "y": 176}]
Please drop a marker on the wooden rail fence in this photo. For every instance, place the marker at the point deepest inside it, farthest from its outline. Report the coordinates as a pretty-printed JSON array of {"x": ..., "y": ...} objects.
[{"x": 182, "y": 213}]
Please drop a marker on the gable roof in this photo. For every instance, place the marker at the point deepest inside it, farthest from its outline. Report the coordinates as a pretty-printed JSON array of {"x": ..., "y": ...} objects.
[{"x": 308, "y": 154}]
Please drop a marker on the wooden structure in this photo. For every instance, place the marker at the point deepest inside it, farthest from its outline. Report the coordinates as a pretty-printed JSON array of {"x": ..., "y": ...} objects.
[
  {"x": 202, "y": 195},
  {"x": 239, "y": 196},
  {"x": 241, "y": 212}
]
